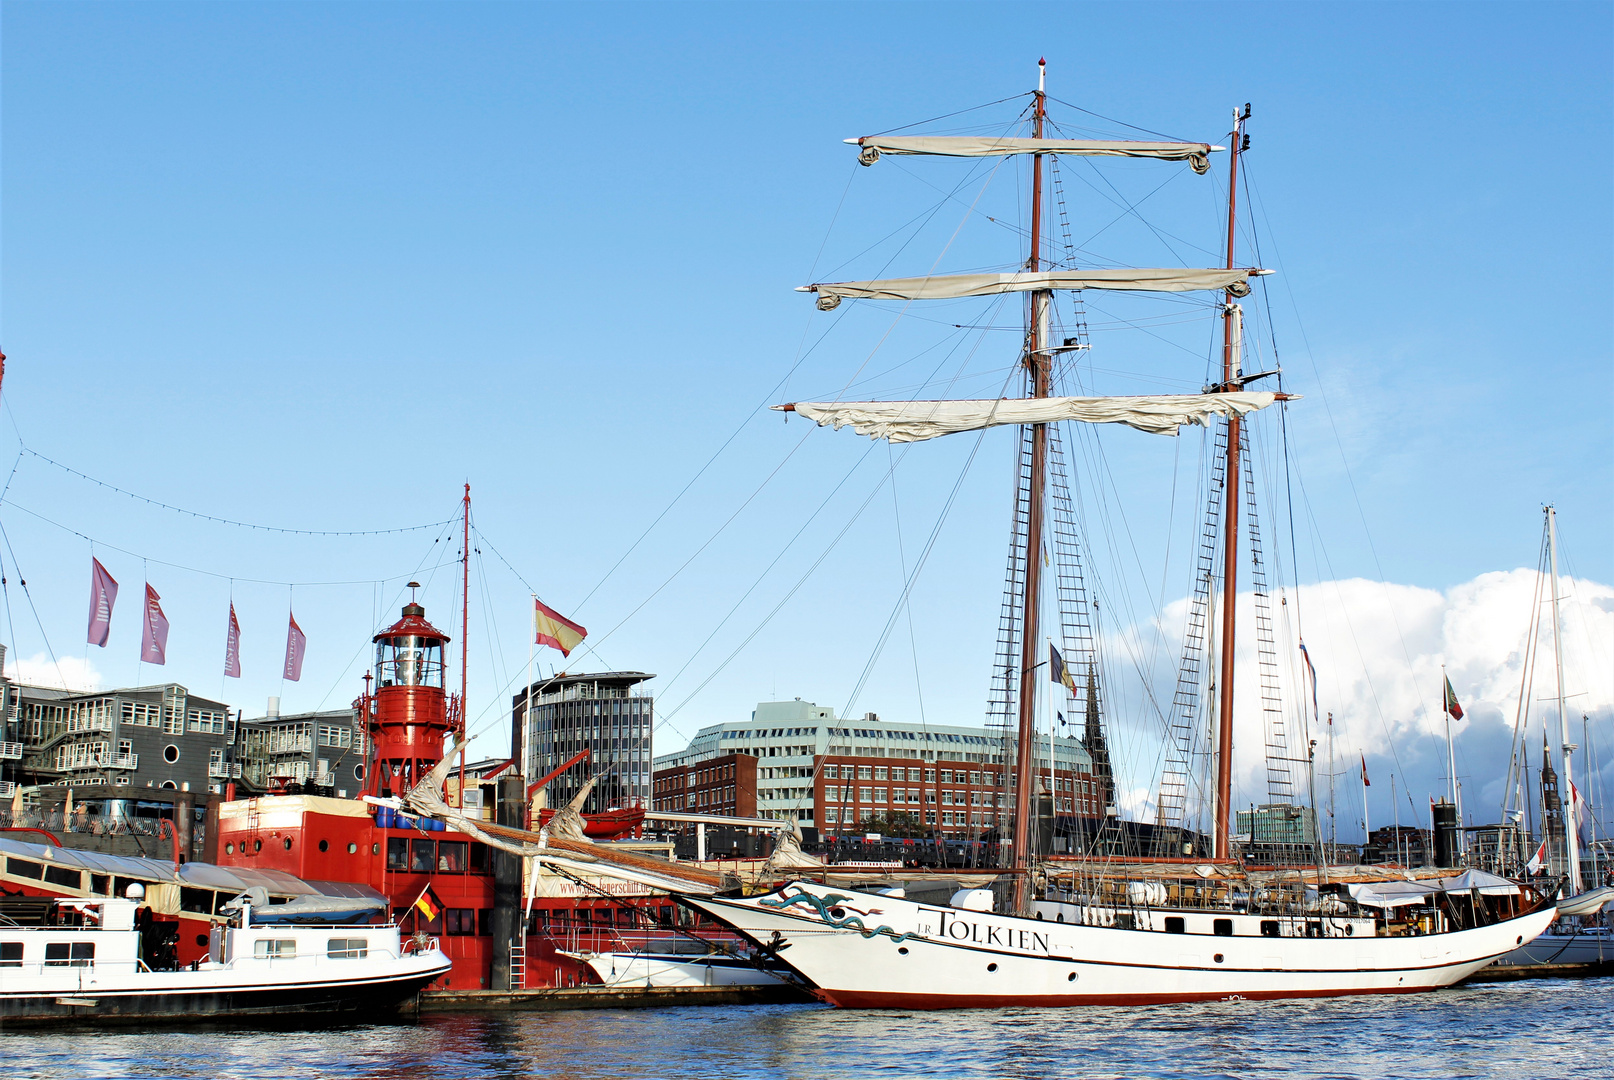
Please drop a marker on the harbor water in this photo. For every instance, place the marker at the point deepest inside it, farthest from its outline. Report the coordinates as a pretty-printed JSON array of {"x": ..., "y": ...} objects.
[{"x": 1536, "y": 1029}]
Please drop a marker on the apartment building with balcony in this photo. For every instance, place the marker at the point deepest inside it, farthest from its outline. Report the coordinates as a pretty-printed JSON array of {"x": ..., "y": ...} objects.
[
  {"x": 140, "y": 737},
  {"x": 323, "y": 751},
  {"x": 610, "y": 714}
]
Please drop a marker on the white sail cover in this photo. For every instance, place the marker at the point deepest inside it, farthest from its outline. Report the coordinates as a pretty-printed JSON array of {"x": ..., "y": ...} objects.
[
  {"x": 872, "y": 146},
  {"x": 958, "y": 286},
  {"x": 916, "y": 421}
]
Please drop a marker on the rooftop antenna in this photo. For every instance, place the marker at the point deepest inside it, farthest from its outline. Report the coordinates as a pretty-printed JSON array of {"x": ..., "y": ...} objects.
[{"x": 413, "y": 585}]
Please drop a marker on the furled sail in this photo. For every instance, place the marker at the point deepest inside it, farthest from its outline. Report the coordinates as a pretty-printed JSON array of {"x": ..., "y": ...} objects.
[
  {"x": 872, "y": 146},
  {"x": 957, "y": 286},
  {"x": 915, "y": 421}
]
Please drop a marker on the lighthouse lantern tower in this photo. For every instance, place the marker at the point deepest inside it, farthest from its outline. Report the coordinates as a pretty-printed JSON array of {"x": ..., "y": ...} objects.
[{"x": 409, "y": 710}]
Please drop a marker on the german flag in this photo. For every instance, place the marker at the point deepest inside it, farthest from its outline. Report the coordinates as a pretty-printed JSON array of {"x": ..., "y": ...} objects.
[{"x": 429, "y": 904}]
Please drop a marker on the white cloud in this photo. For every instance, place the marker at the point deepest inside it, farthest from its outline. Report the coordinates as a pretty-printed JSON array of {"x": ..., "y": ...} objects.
[
  {"x": 66, "y": 673},
  {"x": 1378, "y": 651}
]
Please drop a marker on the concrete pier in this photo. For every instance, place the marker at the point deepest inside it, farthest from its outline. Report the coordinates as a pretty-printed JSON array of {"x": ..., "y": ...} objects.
[{"x": 554, "y": 999}]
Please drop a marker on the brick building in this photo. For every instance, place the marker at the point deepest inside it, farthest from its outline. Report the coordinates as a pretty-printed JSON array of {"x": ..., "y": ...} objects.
[{"x": 725, "y": 785}]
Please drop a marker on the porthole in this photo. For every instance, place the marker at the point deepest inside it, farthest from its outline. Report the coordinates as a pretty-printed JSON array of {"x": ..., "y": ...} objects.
[
  {"x": 1518, "y": 941},
  {"x": 324, "y": 845},
  {"x": 170, "y": 753},
  {"x": 837, "y": 913},
  {"x": 1039, "y": 916},
  {"x": 257, "y": 845},
  {"x": 1217, "y": 958},
  {"x": 1071, "y": 977},
  {"x": 1349, "y": 929},
  {"x": 286, "y": 843},
  {"x": 201, "y": 941},
  {"x": 375, "y": 849},
  {"x": 1061, "y": 916},
  {"x": 351, "y": 848},
  {"x": 991, "y": 967},
  {"x": 229, "y": 849},
  {"x": 903, "y": 951},
  {"x": 358, "y": 772}
]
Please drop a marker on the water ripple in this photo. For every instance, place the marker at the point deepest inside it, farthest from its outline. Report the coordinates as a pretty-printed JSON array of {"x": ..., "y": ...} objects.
[{"x": 1528, "y": 1029}]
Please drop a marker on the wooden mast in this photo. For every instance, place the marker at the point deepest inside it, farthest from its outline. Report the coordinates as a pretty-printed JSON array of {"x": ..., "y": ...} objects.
[
  {"x": 1230, "y": 525},
  {"x": 1037, "y": 361},
  {"x": 465, "y": 629}
]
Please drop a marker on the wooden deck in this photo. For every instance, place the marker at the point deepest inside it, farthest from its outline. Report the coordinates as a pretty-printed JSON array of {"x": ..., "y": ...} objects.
[{"x": 1512, "y": 972}]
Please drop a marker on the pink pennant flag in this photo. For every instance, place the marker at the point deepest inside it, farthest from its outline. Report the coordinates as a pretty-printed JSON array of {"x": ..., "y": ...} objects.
[
  {"x": 296, "y": 643},
  {"x": 232, "y": 647},
  {"x": 103, "y": 594},
  {"x": 154, "y": 641}
]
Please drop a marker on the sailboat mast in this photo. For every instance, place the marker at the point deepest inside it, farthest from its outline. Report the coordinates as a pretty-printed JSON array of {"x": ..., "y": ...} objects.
[
  {"x": 1571, "y": 811},
  {"x": 1037, "y": 359},
  {"x": 1230, "y": 521},
  {"x": 465, "y": 629}
]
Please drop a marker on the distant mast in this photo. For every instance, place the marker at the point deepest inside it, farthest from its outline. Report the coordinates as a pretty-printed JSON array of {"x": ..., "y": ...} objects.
[
  {"x": 1232, "y": 335},
  {"x": 1037, "y": 361},
  {"x": 1571, "y": 811}
]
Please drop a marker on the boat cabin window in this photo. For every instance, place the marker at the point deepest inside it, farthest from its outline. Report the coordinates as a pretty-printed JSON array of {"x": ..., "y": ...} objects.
[
  {"x": 10, "y": 954},
  {"x": 1269, "y": 928},
  {"x": 1222, "y": 927},
  {"x": 420, "y": 856},
  {"x": 451, "y": 856},
  {"x": 24, "y": 868},
  {"x": 1174, "y": 924},
  {"x": 65, "y": 876},
  {"x": 196, "y": 900},
  {"x": 347, "y": 948},
  {"x": 479, "y": 859},
  {"x": 70, "y": 954},
  {"x": 100, "y": 883},
  {"x": 274, "y": 948},
  {"x": 409, "y": 660},
  {"x": 397, "y": 853},
  {"x": 460, "y": 922}
]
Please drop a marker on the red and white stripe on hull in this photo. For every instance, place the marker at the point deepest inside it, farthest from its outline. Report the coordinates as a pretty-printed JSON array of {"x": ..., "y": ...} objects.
[{"x": 867, "y": 951}]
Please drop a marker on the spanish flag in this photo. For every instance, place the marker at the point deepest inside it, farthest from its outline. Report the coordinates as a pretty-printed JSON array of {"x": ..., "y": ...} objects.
[
  {"x": 552, "y": 628},
  {"x": 428, "y": 903}
]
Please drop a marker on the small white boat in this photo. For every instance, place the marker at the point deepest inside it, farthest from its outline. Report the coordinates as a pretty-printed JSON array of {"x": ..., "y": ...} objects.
[
  {"x": 675, "y": 969},
  {"x": 82, "y": 961}
]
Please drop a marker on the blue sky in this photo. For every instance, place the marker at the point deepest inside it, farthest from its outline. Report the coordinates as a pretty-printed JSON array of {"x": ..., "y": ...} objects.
[{"x": 316, "y": 266}]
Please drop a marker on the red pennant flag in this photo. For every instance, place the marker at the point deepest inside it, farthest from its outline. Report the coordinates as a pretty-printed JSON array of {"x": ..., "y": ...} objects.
[
  {"x": 1365, "y": 781},
  {"x": 232, "y": 647},
  {"x": 154, "y": 639},
  {"x": 296, "y": 643},
  {"x": 103, "y": 594}
]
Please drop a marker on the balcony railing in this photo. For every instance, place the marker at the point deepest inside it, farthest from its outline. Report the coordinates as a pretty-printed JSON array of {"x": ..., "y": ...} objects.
[
  {"x": 104, "y": 761},
  {"x": 7, "y": 788},
  {"x": 223, "y": 770},
  {"x": 11, "y": 751}
]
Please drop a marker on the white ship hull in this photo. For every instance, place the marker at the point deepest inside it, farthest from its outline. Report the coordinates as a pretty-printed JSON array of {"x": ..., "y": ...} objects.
[{"x": 866, "y": 951}]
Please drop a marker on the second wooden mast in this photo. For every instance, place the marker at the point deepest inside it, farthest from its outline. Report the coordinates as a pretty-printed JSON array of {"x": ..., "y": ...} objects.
[
  {"x": 1232, "y": 335},
  {"x": 1037, "y": 360}
]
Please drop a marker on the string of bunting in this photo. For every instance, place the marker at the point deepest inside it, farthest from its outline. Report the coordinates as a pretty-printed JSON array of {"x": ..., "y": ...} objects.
[{"x": 228, "y": 521}]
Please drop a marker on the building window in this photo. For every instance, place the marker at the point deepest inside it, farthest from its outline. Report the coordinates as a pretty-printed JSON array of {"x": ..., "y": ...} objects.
[
  {"x": 879, "y": 774},
  {"x": 170, "y": 753},
  {"x": 879, "y": 794},
  {"x": 865, "y": 794}
]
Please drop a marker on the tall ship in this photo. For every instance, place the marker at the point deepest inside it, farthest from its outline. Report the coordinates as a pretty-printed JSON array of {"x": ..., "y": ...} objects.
[{"x": 1188, "y": 919}]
